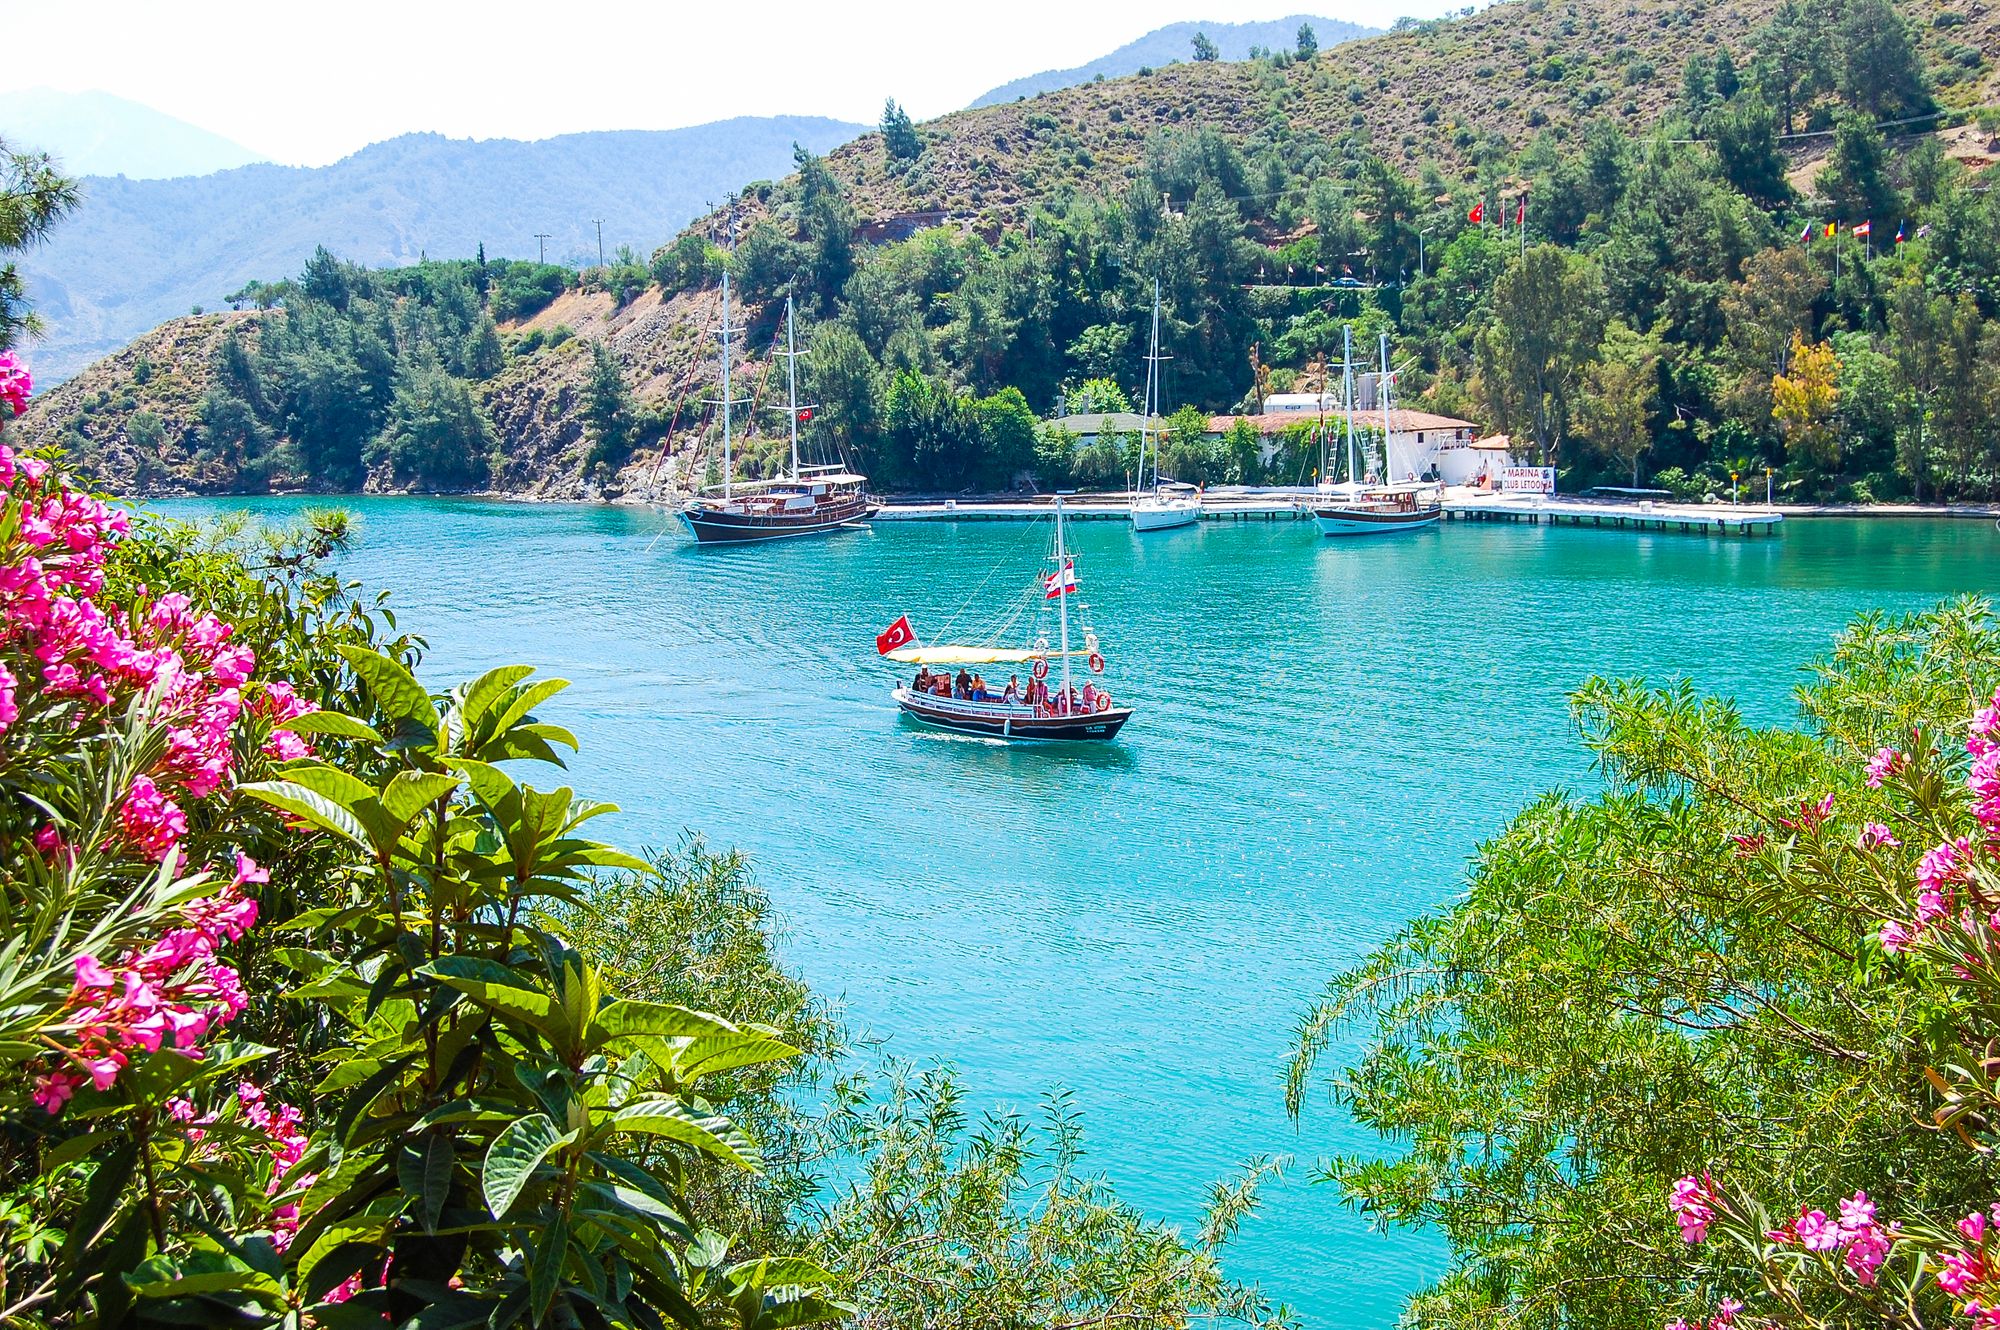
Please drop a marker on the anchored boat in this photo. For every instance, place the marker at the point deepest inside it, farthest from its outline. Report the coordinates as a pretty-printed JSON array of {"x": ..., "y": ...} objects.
[
  {"x": 1355, "y": 509},
  {"x": 805, "y": 501},
  {"x": 1169, "y": 504},
  {"x": 1048, "y": 706}
]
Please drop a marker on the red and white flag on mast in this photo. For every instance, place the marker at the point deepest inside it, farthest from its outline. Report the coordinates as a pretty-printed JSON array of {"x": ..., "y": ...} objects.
[
  {"x": 1061, "y": 583},
  {"x": 897, "y": 634}
]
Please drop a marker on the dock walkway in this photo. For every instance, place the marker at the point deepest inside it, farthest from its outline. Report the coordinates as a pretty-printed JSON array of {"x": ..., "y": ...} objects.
[{"x": 1460, "y": 505}]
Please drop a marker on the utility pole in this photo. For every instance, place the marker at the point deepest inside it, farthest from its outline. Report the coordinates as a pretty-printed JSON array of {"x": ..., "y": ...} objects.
[
  {"x": 600, "y": 240},
  {"x": 542, "y": 245}
]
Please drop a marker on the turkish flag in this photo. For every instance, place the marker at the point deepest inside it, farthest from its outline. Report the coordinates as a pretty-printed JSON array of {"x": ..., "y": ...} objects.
[
  {"x": 805, "y": 414},
  {"x": 1478, "y": 213},
  {"x": 897, "y": 634}
]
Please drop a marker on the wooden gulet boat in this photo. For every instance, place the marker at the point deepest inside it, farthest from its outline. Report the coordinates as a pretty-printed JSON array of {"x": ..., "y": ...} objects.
[
  {"x": 1044, "y": 709},
  {"x": 1355, "y": 509},
  {"x": 806, "y": 501}
]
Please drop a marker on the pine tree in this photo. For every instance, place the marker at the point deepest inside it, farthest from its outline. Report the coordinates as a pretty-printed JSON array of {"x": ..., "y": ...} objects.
[
  {"x": 899, "y": 134},
  {"x": 1204, "y": 49},
  {"x": 1308, "y": 42}
]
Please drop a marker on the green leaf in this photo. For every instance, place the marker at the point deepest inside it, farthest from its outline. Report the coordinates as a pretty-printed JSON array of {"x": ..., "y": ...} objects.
[
  {"x": 396, "y": 690},
  {"x": 545, "y": 1266},
  {"x": 309, "y": 806},
  {"x": 526, "y": 700},
  {"x": 717, "y": 1053},
  {"x": 499, "y": 988},
  {"x": 482, "y": 692},
  {"x": 330, "y": 722},
  {"x": 411, "y": 791},
  {"x": 773, "y": 1271},
  {"x": 513, "y": 1157},
  {"x": 424, "y": 1173},
  {"x": 716, "y": 1137},
  {"x": 626, "y": 1018}
]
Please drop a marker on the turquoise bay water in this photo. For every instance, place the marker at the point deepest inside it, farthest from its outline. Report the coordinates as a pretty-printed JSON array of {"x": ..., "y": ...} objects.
[{"x": 1325, "y": 731}]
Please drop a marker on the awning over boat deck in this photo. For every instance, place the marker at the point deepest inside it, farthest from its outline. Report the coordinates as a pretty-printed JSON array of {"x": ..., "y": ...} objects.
[{"x": 974, "y": 655}]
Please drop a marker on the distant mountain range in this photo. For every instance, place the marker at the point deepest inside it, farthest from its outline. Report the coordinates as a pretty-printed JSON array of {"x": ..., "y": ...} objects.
[
  {"x": 140, "y": 251},
  {"x": 1174, "y": 42},
  {"x": 95, "y": 133}
]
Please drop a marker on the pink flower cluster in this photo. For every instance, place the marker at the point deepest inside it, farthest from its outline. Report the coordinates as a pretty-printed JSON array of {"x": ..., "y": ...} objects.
[
  {"x": 1725, "y": 1316},
  {"x": 167, "y": 995},
  {"x": 185, "y": 662},
  {"x": 1967, "y": 1269},
  {"x": 1855, "y": 1233},
  {"x": 287, "y": 1144},
  {"x": 1692, "y": 1200},
  {"x": 15, "y": 384},
  {"x": 1984, "y": 779},
  {"x": 1886, "y": 763}
]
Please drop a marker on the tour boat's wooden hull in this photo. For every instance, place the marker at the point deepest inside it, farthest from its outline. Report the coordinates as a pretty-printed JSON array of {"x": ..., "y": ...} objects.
[
  {"x": 1343, "y": 521},
  {"x": 716, "y": 525},
  {"x": 994, "y": 720}
]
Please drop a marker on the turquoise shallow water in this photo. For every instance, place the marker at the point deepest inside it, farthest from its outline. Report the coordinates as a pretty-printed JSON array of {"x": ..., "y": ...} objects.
[{"x": 1325, "y": 730}]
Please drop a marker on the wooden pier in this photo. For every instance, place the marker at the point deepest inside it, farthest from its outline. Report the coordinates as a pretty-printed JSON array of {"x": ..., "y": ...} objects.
[
  {"x": 1718, "y": 519},
  {"x": 1459, "y": 506}
]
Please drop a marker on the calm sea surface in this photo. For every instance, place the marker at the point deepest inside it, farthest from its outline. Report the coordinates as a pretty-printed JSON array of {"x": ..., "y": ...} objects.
[{"x": 1325, "y": 730}]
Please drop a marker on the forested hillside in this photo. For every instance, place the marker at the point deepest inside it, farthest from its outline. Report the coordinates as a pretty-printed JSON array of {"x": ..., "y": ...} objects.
[
  {"x": 1650, "y": 293},
  {"x": 140, "y": 251}
]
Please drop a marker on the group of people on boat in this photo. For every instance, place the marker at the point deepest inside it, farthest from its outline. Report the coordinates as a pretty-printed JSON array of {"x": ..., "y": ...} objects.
[{"x": 970, "y": 687}]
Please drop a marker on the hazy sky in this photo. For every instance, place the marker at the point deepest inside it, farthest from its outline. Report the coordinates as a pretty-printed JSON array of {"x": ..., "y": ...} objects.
[{"x": 308, "y": 82}]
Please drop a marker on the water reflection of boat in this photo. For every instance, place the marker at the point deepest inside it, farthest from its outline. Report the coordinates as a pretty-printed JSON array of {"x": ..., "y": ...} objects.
[
  {"x": 1046, "y": 708},
  {"x": 805, "y": 501},
  {"x": 1357, "y": 509}
]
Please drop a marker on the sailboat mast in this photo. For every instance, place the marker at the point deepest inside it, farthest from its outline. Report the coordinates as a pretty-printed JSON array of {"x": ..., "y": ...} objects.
[
  {"x": 792, "y": 383},
  {"x": 1062, "y": 600},
  {"x": 728, "y": 465},
  {"x": 1383, "y": 393},
  {"x": 1152, "y": 405},
  {"x": 1347, "y": 395}
]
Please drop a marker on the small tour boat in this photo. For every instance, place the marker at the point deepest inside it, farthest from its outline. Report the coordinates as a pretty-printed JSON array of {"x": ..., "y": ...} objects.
[
  {"x": 1355, "y": 509},
  {"x": 1169, "y": 504},
  {"x": 1048, "y": 707},
  {"x": 805, "y": 501}
]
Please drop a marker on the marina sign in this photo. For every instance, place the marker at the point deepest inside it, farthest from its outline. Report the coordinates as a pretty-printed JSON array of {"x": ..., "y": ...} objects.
[{"x": 1528, "y": 479}]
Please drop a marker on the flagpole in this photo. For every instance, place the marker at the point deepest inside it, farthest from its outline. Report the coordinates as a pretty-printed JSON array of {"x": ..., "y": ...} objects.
[{"x": 792, "y": 383}]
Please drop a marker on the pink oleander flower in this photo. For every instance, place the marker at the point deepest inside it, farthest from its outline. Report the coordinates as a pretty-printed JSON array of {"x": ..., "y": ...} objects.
[
  {"x": 10, "y": 711},
  {"x": 1886, "y": 763},
  {"x": 1973, "y": 1228},
  {"x": 1690, "y": 1199},
  {"x": 1877, "y": 836},
  {"x": 1812, "y": 812},
  {"x": 1943, "y": 864},
  {"x": 1960, "y": 1271},
  {"x": 1816, "y": 1232},
  {"x": 1866, "y": 1250},
  {"x": 151, "y": 821},
  {"x": 1857, "y": 1213},
  {"x": 1986, "y": 723},
  {"x": 15, "y": 384},
  {"x": 1726, "y": 1312},
  {"x": 1747, "y": 845},
  {"x": 1896, "y": 937}
]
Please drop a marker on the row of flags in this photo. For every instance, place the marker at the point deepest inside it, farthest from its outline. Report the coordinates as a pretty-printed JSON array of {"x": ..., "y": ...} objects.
[{"x": 1861, "y": 230}]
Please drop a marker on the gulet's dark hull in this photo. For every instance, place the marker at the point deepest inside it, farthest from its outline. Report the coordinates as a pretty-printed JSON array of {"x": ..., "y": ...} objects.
[
  {"x": 1013, "y": 723},
  {"x": 719, "y": 527}
]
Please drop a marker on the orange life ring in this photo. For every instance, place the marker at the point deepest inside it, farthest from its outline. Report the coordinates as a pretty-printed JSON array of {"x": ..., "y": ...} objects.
[
  {"x": 1041, "y": 670},
  {"x": 1096, "y": 663},
  {"x": 1103, "y": 702}
]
